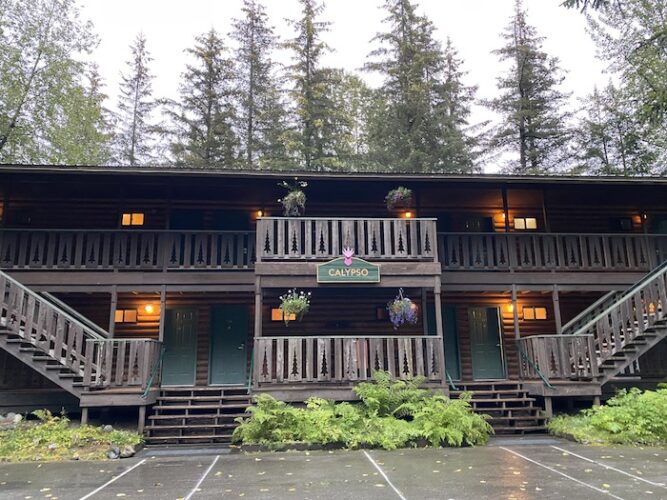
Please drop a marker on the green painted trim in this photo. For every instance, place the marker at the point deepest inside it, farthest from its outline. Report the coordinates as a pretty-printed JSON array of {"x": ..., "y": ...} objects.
[{"x": 357, "y": 268}]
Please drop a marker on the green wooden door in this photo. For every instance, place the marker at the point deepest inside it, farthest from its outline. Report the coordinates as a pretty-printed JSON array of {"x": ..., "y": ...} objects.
[
  {"x": 485, "y": 343},
  {"x": 229, "y": 356},
  {"x": 180, "y": 347},
  {"x": 451, "y": 337}
]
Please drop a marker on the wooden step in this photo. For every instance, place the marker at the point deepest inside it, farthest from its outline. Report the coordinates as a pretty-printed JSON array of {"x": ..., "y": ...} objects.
[
  {"x": 221, "y": 406},
  {"x": 213, "y": 437},
  {"x": 204, "y": 398},
  {"x": 193, "y": 426},
  {"x": 194, "y": 417}
]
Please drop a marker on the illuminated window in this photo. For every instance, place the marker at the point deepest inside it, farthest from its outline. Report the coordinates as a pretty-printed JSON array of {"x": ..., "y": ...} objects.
[
  {"x": 125, "y": 316},
  {"x": 132, "y": 219},
  {"x": 277, "y": 315},
  {"x": 534, "y": 313},
  {"x": 525, "y": 223}
]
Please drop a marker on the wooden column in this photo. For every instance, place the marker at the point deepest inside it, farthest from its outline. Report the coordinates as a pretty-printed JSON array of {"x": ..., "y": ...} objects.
[
  {"x": 439, "y": 330},
  {"x": 506, "y": 209},
  {"x": 112, "y": 311},
  {"x": 142, "y": 420},
  {"x": 258, "y": 307},
  {"x": 557, "y": 319},
  {"x": 163, "y": 312},
  {"x": 515, "y": 314},
  {"x": 424, "y": 312}
]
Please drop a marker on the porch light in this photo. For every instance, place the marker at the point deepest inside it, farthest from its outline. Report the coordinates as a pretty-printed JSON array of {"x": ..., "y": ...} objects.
[
  {"x": 260, "y": 213},
  {"x": 149, "y": 308},
  {"x": 408, "y": 215}
]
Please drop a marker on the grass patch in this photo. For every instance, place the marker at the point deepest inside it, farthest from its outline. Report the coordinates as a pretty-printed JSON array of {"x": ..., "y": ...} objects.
[
  {"x": 631, "y": 417},
  {"x": 52, "y": 438},
  {"x": 392, "y": 414}
]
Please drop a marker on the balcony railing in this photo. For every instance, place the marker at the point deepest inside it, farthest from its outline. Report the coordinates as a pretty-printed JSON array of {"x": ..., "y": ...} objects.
[
  {"x": 558, "y": 357},
  {"x": 340, "y": 360},
  {"x": 107, "y": 250},
  {"x": 299, "y": 238},
  {"x": 550, "y": 251}
]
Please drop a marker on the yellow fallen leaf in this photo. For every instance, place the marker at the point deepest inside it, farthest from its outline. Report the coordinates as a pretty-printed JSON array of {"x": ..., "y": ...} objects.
[
  {"x": 379, "y": 485},
  {"x": 605, "y": 485}
]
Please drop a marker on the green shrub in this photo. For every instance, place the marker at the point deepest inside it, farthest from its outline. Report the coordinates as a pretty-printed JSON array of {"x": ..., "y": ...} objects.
[
  {"x": 392, "y": 414},
  {"x": 631, "y": 417},
  {"x": 53, "y": 438}
]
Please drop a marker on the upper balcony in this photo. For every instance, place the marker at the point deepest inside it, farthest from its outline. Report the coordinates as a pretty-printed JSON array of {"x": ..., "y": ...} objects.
[{"x": 314, "y": 238}]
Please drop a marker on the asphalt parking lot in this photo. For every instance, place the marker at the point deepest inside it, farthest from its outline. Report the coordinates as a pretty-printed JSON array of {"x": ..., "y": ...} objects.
[{"x": 509, "y": 469}]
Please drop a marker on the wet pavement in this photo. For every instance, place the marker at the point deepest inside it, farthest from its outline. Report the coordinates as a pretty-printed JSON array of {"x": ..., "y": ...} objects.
[{"x": 506, "y": 469}]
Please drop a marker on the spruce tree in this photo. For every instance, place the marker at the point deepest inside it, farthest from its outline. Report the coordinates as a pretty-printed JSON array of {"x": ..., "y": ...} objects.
[
  {"x": 202, "y": 121},
  {"x": 531, "y": 107},
  {"x": 135, "y": 134},
  {"x": 261, "y": 113},
  {"x": 309, "y": 87},
  {"x": 420, "y": 119},
  {"x": 610, "y": 140}
]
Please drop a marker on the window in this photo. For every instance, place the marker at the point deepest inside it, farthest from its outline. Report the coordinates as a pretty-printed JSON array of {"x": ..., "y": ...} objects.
[
  {"x": 525, "y": 223},
  {"x": 277, "y": 315},
  {"x": 534, "y": 313},
  {"x": 125, "y": 316},
  {"x": 132, "y": 219}
]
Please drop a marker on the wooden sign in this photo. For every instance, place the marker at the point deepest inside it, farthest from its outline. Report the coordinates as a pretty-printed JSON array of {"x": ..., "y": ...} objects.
[{"x": 341, "y": 270}]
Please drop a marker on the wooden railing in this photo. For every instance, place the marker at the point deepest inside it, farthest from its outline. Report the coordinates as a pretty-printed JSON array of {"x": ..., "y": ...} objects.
[
  {"x": 325, "y": 238},
  {"x": 629, "y": 316},
  {"x": 99, "y": 361},
  {"x": 121, "y": 363},
  {"x": 554, "y": 357},
  {"x": 126, "y": 249},
  {"x": 550, "y": 251},
  {"x": 338, "y": 359}
]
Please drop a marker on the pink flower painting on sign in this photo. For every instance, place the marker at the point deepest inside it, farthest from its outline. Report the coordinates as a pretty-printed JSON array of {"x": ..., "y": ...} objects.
[{"x": 347, "y": 254}]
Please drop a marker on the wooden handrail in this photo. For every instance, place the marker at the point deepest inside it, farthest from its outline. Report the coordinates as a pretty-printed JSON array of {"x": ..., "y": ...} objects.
[{"x": 553, "y": 357}]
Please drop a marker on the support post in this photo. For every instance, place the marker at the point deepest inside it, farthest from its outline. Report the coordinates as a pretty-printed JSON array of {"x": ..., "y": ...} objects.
[
  {"x": 515, "y": 314},
  {"x": 506, "y": 210},
  {"x": 163, "y": 312},
  {"x": 424, "y": 312},
  {"x": 439, "y": 330},
  {"x": 112, "y": 311},
  {"x": 84, "y": 416},
  {"x": 548, "y": 407},
  {"x": 142, "y": 420},
  {"x": 557, "y": 318},
  {"x": 258, "y": 327},
  {"x": 596, "y": 400}
]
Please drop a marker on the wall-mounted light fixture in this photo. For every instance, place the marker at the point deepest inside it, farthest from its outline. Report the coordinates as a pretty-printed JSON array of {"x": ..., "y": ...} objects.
[
  {"x": 149, "y": 308},
  {"x": 260, "y": 213},
  {"x": 408, "y": 214}
]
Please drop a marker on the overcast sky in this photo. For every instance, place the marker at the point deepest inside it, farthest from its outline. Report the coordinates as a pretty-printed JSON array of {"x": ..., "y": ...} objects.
[{"x": 473, "y": 25}]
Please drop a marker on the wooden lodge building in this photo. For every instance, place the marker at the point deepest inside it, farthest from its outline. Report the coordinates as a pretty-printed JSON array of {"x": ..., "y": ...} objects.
[{"x": 158, "y": 289}]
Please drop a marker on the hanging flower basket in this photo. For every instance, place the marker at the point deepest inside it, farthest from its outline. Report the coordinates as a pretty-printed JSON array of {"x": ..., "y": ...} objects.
[
  {"x": 294, "y": 305},
  {"x": 401, "y": 197},
  {"x": 294, "y": 202},
  {"x": 402, "y": 310}
]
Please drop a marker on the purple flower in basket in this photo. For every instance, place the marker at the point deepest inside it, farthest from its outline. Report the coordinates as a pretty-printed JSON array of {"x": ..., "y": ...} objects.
[
  {"x": 402, "y": 310},
  {"x": 399, "y": 197}
]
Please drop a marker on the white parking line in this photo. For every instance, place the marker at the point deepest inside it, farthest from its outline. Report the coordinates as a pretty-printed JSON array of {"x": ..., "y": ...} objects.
[
  {"x": 599, "y": 490},
  {"x": 396, "y": 490},
  {"x": 660, "y": 485},
  {"x": 112, "y": 480},
  {"x": 201, "y": 479}
]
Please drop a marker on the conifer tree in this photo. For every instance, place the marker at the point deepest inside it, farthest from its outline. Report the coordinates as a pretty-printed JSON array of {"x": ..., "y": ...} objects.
[
  {"x": 610, "y": 141},
  {"x": 202, "y": 120},
  {"x": 419, "y": 122},
  {"x": 531, "y": 107},
  {"x": 309, "y": 87},
  {"x": 135, "y": 134},
  {"x": 261, "y": 112}
]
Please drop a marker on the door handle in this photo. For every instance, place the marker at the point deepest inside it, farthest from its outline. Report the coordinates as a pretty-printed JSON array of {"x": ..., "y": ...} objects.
[{"x": 241, "y": 347}]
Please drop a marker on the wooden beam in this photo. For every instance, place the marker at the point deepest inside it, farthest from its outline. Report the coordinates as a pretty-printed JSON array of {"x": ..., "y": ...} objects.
[
  {"x": 163, "y": 308},
  {"x": 439, "y": 329},
  {"x": 112, "y": 311},
  {"x": 258, "y": 307},
  {"x": 557, "y": 317},
  {"x": 506, "y": 209},
  {"x": 515, "y": 313}
]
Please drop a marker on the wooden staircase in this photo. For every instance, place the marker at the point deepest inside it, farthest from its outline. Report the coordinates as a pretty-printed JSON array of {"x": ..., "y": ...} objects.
[
  {"x": 196, "y": 415},
  {"x": 511, "y": 410},
  {"x": 69, "y": 350}
]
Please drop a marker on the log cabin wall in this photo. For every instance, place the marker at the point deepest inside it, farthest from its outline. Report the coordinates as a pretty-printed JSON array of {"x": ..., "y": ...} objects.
[{"x": 342, "y": 311}]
